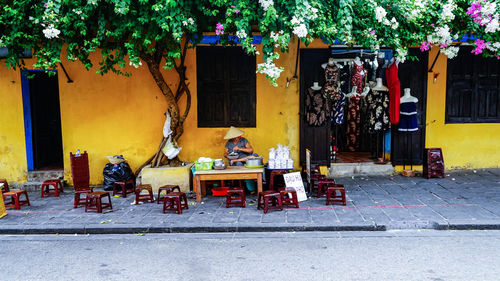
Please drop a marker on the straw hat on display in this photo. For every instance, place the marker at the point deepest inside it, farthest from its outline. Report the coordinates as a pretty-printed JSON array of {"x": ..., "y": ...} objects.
[{"x": 233, "y": 133}]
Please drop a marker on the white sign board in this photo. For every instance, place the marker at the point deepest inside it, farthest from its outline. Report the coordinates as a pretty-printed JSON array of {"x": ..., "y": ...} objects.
[{"x": 294, "y": 180}]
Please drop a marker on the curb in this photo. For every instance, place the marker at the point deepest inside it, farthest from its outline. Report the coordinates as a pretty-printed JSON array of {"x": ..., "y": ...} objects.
[{"x": 181, "y": 229}]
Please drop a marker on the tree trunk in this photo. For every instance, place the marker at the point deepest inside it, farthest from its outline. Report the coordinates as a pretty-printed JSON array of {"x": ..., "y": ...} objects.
[{"x": 176, "y": 124}]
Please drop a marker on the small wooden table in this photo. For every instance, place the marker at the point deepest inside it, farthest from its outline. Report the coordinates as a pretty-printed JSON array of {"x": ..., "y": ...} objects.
[{"x": 230, "y": 173}]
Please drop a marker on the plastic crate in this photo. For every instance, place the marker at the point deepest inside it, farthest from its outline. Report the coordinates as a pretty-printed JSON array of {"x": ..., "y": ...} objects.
[{"x": 203, "y": 166}]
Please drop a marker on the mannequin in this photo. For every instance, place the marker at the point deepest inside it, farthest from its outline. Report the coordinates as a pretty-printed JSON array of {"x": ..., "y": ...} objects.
[
  {"x": 316, "y": 86},
  {"x": 316, "y": 106},
  {"x": 407, "y": 97},
  {"x": 394, "y": 86},
  {"x": 374, "y": 65},
  {"x": 357, "y": 61},
  {"x": 331, "y": 62},
  {"x": 379, "y": 86}
]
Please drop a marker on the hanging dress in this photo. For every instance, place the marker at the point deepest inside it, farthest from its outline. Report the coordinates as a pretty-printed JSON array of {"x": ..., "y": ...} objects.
[
  {"x": 316, "y": 108},
  {"x": 408, "y": 117},
  {"x": 353, "y": 113},
  {"x": 394, "y": 86},
  {"x": 331, "y": 90},
  {"x": 378, "y": 111}
]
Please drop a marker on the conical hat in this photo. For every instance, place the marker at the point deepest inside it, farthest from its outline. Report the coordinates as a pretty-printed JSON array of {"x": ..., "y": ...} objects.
[{"x": 233, "y": 133}]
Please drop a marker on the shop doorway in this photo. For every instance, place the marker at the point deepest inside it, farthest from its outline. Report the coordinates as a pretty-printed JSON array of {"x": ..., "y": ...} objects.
[
  {"x": 373, "y": 146},
  {"x": 42, "y": 120}
]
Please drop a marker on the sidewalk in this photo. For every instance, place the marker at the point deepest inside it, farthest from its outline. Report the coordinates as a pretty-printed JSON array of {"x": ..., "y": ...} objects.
[{"x": 464, "y": 200}]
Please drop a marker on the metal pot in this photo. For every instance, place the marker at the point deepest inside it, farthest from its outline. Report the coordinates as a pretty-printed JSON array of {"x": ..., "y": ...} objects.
[{"x": 254, "y": 161}]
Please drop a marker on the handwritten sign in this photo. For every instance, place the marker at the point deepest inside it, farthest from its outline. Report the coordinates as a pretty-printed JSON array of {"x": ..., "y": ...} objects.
[{"x": 294, "y": 180}]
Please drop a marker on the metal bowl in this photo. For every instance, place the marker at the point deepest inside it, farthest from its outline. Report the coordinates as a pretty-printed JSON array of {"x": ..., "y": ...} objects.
[{"x": 232, "y": 156}]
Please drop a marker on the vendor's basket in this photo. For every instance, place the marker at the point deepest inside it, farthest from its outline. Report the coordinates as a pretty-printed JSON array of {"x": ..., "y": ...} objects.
[{"x": 203, "y": 166}]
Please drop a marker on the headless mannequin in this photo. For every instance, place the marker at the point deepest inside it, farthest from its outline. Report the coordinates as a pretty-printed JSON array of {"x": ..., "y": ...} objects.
[
  {"x": 316, "y": 86},
  {"x": 407, "y": 97},
  {"x": 331, "y": 62},
  {"x": 379, "y": 87}
]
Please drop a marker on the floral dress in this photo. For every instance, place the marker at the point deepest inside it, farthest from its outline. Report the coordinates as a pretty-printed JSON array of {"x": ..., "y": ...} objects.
[
  {"x": 331, "y": 91},
  {"x": 316, "y": 108},
  {"x": 378, "y": 111},
  {"x": 353, "y": 114}
]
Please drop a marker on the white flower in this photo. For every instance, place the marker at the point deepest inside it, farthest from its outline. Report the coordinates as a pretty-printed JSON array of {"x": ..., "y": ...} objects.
[
  {"x": 300, "y": 30},
  {"x": 402, "y": 53},
  {"x": 135, "y": 65},
  {"x": 394, "y": 23},
  {"x": 269, "y": 69},
  {"x": 447, "y": 13},
  {"x": 450, "y": 52},
  {"x": 493, "y": 25},
  {"x": 296, "y": 21},
  {"x": 241, "y": 34},
  {"x": 274, "y": 36},
  {"x": 31, "y": 18},
  {"x": 380, "y": 13},
  {"x": 488, "y": 8},
  {"x": 92, "y": 2},
  {"x": 1, "y": 43},
  {"x": 266, "y": 3},
  {"x": 51, "y": 32}
]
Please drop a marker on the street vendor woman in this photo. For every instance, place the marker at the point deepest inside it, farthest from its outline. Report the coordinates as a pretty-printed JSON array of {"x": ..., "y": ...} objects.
[{"x": 237, "y": 144}]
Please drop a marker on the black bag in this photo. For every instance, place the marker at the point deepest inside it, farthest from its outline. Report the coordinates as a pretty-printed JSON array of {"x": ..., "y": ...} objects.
[{"x": 116, "y": 172}]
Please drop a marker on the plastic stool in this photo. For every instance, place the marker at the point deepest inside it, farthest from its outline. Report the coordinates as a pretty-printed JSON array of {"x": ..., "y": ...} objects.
[
  {"x": 333, "y": 197},
  {"x": 322, "y": 185},
  {"x": 51, "y": 187},
  {"x": 175, "y": 201},
  {"x": 287, "y": 201},
  {"x": 15, "y": 196},
  {"x": 144, "y": 197},
  {"x": 120, "y": 187},
  {"x": 78, "y": 199},
  {"x": 94, "y": 201},
  {"x": 272, "y": 176},
  {"x": 235, "y": 197},
  {"x": 167, "y": 189},
  {"x": 264, "y": 198}
]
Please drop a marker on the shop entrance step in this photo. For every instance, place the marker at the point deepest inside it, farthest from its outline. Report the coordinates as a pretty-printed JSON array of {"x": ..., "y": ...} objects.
[
  {"x": 362, "y": 168},
  {"x": 36, "y": 178}
]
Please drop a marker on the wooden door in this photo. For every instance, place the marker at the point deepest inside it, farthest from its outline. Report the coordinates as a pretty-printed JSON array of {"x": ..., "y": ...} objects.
[{"x": 408, "y": 147}]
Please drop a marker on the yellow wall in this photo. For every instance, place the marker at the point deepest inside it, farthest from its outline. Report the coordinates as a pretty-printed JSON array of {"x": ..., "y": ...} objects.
[
  {"x": 464, "y": 145},
  {"x": 107, "y": 115},
  {"x": 13, "y": 164}
]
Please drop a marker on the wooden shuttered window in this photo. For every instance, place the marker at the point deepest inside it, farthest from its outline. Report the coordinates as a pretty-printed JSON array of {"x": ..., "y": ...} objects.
[
  {"x": 226, "y": 81},
  {"x": 473, "y": 89}
]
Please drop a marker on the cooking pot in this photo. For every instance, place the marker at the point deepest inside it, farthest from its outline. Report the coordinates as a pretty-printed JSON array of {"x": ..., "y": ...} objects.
[{"x": 254, "y": 161}]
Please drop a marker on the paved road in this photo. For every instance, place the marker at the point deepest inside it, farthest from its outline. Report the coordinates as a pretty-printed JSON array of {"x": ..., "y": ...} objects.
[{"x": 391, "y": 255}]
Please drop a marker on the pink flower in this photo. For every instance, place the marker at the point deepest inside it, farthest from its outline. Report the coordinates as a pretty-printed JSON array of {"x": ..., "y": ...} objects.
[
  {"x": 443, "y": 45},
  {"x": 474, "y": 10},
  {"x": 480, "y": 45},
  {"x": 45, "y": 5},
  {"x": 236, "y": 11},
  {"x": 425, "y": 46},
  {"x": 219, "y": 29},
  {"x": 372, "y": 32},
  {"x": 233, "y": 6}
]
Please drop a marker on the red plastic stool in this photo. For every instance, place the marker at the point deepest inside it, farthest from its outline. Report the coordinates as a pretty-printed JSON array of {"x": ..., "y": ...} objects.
[
  {"x": 15, "y": 199},
  {"x": 166, "y": 189},
  {"x": 315, "y": 178},
  {"x": 120, "y": 187},
  {"x": 144, "y": 197},
  {"x": 94, "y": 201},
  {"x": 272, "y": 181},
  {"x": 78, "y": 199},
  {"x": 322, "y": 185},
  {"x": 287, "y": 201},
  {"x": 264, "y": 198},
  {"x": 51, "y": 187},
  {"x": 175, "y": 201},
  {"x": 235, "y": 197},
  {"x": 333, "y": 197}
]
